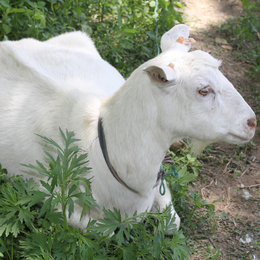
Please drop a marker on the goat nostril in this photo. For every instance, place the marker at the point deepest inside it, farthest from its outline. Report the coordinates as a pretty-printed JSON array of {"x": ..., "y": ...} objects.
[{"x": 251, "y": 122}]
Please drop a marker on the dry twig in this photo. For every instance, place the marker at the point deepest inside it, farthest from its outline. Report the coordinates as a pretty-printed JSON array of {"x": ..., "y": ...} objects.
[
  {"x": 205, "y": 188},
  {"x": 225, "y": 170},
  {"x": 211, "y": 157},
  {"x": 245, "y": 187},
  {"x": 243, "y": 173},
  {"x": 228, "y": 198}
]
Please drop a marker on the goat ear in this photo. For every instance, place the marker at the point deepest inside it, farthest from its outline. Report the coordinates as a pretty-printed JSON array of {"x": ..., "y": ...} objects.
[
  {"x": 162, "y": 74},
  {"x": 177, "y": 38}
]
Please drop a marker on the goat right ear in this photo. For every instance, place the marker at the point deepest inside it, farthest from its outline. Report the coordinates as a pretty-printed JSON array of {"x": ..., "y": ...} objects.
[
  {"x": 177, "y": 38},
  {"x": 162, "y": 74}
]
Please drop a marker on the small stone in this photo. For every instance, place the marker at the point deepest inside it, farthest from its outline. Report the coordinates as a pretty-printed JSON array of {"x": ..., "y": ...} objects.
[
  {"x": 246, "y": 195},
  {"x": 246, "y": 240}
]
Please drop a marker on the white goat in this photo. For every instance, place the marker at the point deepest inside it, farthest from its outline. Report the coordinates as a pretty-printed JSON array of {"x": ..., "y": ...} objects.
[{"x": 61, "y": 83}]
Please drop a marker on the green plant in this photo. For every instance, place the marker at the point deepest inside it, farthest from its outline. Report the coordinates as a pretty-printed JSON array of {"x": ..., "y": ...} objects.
[
  {"x": 124, "y": 31},
  {"x": 3, "y": 171},
  {"x": 15, "y": 219},
  {"x": 112, "y": 238},
  {"x": 44, "y": 233},
  {"x": 131, "y": 31},
  {"x": 148, "y": 239},
  {"x": 244, "y": 33},
  {"x": 189, "y": 204},
  {"x": 65, "y": 173},
  {"x": 187, "y": 166},
  {"x": 211, "y": 254},
  {"x": 18, "y": 206}
]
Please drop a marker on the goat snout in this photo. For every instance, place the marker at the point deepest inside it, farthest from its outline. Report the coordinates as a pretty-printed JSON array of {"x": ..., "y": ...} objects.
[{"x": 251, "y": 122}]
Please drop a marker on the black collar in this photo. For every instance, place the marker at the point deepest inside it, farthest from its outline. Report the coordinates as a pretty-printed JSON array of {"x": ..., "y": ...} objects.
[{"x": 102, "y": 142}]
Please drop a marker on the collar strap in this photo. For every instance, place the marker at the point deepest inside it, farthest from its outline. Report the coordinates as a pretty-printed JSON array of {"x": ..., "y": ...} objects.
[
  {"x": 161, "y": 173},
  {"x": 102, "y": 142}
]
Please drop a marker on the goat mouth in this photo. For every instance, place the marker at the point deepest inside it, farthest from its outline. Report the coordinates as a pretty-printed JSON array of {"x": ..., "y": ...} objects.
[{"x": 239, "y": 137}]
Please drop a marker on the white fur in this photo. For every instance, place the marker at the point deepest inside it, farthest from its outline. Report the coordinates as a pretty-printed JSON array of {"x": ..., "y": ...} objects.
[
  {"x": 169, "y": 39},
  {"x": 59, "y": 83}
]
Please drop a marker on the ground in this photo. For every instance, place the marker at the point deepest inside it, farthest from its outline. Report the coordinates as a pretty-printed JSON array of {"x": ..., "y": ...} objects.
[{"x": 230, "y": 172}]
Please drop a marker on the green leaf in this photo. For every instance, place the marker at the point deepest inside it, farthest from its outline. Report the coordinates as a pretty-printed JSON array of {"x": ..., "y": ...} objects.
[
  {"x": 151, "y": 35},
  {"x": 254, "y": 29},
  {"x": 109, "y": 224},
  {"x": 50, "y": 156},
  {"x": 50, "y": 141},
  {"x": 38, "y": 169},
  {"x": 119, "y": 18},
  {"x": 246, "y": 3},
  {"x": 72, "y": 189},
  {"x": 188, "y": 178},
  {"x": 47, "y": 186},
  {"x": 86, "y": 198},
  {"x": 121, "y": 234},
  {"x": 24, "y": 200},
  {"x": 56, "y": 202},
  {"x": 78, "y": 10},
  {"x": 32, "y": 199},
  {"x": 56, "y": 174},
  {"x": 45, "y": 206},
  {"x": 2, "y": 228},
  {"x": 133, "y": 31},
  {"x": 41, "y": 4},
  {"x": 7, "y": 28},
  {"x": 5, "y": 3},
  {"x": 15, "y": 230},
  {"x": 68, "y": 138},
  {"x": 11, "y": 213},
  {"x": 180, "y": 250},
  {"x": 224, "y": 214},
  {"x": 17, "y": 10},
  {"x": 25, "y": 216},
  {"x": 127, "y": 44},
  {"x": 129, "y": 253},
  {"x": 157, "y": 244},
  {"x": 218, "y": 200}
]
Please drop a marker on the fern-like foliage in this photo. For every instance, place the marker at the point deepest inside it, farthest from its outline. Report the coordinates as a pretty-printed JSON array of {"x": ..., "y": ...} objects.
[
  {"x": 65, "y": 177},
  {"x": 31, "y": 229}
]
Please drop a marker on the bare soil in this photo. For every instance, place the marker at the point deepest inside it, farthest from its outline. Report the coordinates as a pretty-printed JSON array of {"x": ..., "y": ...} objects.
[{"x": 230, "y": 171}]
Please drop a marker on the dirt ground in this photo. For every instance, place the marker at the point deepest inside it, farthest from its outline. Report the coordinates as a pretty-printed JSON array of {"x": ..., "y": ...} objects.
[{"x": 230, "y": 172}]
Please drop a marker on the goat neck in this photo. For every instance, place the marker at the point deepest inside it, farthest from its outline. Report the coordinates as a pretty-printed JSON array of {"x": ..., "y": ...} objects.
[{"x": 136, "y": 143}]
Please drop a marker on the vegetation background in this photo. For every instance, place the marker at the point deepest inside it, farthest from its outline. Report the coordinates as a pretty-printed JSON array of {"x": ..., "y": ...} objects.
[
  {"x": 124, "y": 31},
  {"x": 126, "y": 34}
]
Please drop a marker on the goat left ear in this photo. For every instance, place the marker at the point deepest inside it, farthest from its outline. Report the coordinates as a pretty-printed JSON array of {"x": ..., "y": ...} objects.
[{"x": 162, "y": 74}]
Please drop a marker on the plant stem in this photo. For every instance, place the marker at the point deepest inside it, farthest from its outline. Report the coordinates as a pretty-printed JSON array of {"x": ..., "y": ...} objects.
[{"x": 64, "y": 205}]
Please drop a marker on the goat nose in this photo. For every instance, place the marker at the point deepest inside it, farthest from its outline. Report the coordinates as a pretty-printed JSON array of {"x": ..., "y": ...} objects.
[{"x": 251, "y": 122}]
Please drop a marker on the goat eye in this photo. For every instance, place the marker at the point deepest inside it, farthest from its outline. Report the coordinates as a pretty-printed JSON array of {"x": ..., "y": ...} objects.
[{"x": 205, "y": 91}]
